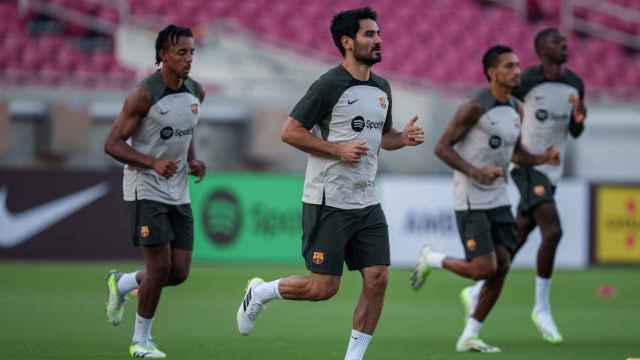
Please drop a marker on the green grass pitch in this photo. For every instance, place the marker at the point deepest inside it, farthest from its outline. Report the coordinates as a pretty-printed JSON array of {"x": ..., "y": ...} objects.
[{"x": 56, "y": 311}]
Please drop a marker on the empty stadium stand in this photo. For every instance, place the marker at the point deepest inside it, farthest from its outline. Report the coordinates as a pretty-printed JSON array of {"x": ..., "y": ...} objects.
[{"x": 424, "y": 41}]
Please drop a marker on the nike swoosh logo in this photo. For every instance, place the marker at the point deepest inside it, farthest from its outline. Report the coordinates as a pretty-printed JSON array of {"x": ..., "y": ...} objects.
[
  {"x": 18, "y": 228},
  {"x": 162, "y": 113},
  {"x": 351, "y": 102}
]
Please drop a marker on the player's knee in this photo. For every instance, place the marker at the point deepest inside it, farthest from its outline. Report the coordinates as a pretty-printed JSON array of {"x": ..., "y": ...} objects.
[
  {"x": 552, "y": 235},
  {"x": 377, "y": 280},
  {"x": 504, "y": 265},
  {"x": 523, "y": 224},
  {"x": 159, "y": 273},
  {"x": 484, "y": 271},
  {"x": 178, "y": 276},
  {"x": 323, "y": 294},
  {"x": 324, "y": 291}
]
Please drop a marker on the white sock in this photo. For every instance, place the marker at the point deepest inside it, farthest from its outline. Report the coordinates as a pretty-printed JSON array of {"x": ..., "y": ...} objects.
[
  {"x": 142, "y": 329},
  {"x": 435, "y": 259},
  {"x": 358, "y": 343},
  {"x": 543, "y": 287},
  {"x": 471, "y": 328},
  {"x": 267, "y": 291},
  {"x": 128, "y": 282},
  {"x": 475, "y": 293}
]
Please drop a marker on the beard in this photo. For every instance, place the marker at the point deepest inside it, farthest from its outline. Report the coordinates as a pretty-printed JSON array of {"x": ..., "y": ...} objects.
[
  {"x": 558, "y": 58},
  {"x": 509, "y": 84},
  {"x": 562, "y": 59},
  {"x": 370, "y": 61},
  {"x": 184, "y": 73},
  {"x": 367, "y": 59}
]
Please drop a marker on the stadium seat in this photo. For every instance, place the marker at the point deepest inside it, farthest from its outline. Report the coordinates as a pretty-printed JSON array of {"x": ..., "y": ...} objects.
[{"x": 426, "y": 41}]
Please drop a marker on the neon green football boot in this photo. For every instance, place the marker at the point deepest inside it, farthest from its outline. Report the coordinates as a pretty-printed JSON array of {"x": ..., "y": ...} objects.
[
  {"x": 422, "y": 269},
  {"x": 115, "y": 300}
]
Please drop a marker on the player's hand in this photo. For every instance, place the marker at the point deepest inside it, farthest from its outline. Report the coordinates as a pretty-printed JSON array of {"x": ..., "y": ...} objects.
[
  {"x": 552, "y": 156},
  {"x": 412, "y": 134},
  {"x": 488, "y": 174},
  {"x": 198, "y": 169},
  {"x": 352, "y": 151},
  {"x": 579, "y": 111},
  {"x": 166, "y": 168}
]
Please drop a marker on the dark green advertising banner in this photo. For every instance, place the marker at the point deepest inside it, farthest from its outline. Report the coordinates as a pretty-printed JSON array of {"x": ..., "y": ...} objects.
[{"x": 247, "y": 217}]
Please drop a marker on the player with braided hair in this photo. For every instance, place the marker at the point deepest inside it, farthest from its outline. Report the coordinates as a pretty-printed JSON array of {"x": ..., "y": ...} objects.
[{"x": 153, "y": 136}]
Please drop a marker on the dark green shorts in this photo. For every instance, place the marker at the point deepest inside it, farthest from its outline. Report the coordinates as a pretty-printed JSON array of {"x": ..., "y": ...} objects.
[
  {"x": 534, "y": 187},
  {"x": 332, "y": 236},
  {"x": 481, "y": 230},
  {"x": 154, "y": 223}
]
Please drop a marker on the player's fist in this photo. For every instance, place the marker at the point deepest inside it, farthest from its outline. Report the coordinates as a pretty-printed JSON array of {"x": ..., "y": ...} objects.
[
  {"x": 352, "y": 151},
  {"x": 198, "y": 169},
  {"x": 412, "y": 134},
  {"x": 166, "y": 168},
  {"x": 552, "y": 156},
  {"x": 579, "y": 112},
  {"x": 488, "y": 174}
]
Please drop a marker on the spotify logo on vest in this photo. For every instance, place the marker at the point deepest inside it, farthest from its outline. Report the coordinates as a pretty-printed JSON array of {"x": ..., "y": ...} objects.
[
  {"x": 495, "y": 142},
  {"x": 357, "y": 124},
  {"x": 221, "y": 216},
  {"x": 542, "y": 114},
  {"x": 166, "y": 133}
]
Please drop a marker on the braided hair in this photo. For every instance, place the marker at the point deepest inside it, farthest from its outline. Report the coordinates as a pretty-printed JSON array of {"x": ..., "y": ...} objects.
[{"x": 169, "y": 36}]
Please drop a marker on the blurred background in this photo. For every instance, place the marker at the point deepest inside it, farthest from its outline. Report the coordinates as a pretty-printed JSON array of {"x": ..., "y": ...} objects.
[{"x": 67, "y": 65}]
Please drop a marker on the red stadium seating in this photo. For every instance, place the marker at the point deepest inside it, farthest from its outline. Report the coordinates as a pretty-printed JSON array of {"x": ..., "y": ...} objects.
[{"x": 424, "y": 41}]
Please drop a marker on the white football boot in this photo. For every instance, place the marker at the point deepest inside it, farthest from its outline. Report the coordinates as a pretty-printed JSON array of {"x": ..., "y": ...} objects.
[
  {"x": 249, "y": 308},
  {"x": 546, "y": 326}
]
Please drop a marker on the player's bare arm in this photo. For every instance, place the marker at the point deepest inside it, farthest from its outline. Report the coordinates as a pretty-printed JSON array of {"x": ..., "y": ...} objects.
[
  {"x": 296, "y": 135},
  {"x": 465, "y": 118},
  {"x": 523, "y": 157},
  {"x": 411, "y": 135},
  {"x": 135, "y": 108},
  {"x": 196, "y": 167},
  {"x": 578, "y": 116}
]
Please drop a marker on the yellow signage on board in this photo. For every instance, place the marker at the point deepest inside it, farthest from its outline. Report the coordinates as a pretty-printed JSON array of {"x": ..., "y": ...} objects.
[{"x": 617, "y": 224}]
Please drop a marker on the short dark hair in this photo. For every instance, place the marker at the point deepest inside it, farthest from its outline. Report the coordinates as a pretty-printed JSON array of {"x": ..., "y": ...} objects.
[
  {"x": 542, "y": 36},
  {"x": 490, "y": 57},
  {"x": 169, "y": 36},
  {"x": 347, "y": 23}
]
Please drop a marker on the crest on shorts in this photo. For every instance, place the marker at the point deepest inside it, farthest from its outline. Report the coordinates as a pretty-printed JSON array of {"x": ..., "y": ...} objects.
[
  {"x": 471, "y": 244},
  {"x": 318, "y": 257},
  {"x": 539, "y": 190},
  {"x": 383, "y": 102},
  {"x": 194, "y": 108},
  {"x": 144, "y": 231}
]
